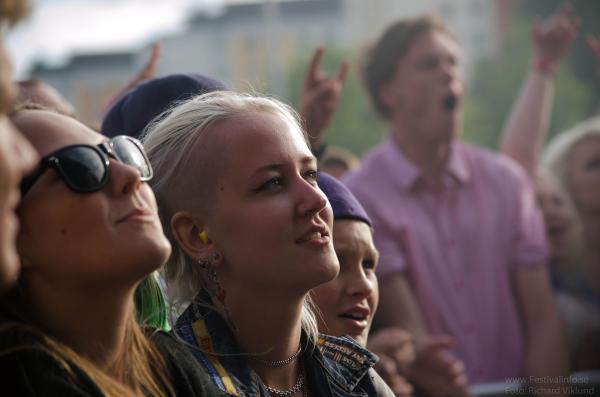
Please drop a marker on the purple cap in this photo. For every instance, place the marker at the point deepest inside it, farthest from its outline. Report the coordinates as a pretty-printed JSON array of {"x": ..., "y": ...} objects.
[
  {"x": 343, "y": 202},
  {"x": 134, "y": 110}
]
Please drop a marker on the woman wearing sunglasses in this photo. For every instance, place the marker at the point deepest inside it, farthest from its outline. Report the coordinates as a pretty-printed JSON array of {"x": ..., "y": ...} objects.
[
  {"x": 236, "y": 185},
  {"x": 89, "y": 233}
]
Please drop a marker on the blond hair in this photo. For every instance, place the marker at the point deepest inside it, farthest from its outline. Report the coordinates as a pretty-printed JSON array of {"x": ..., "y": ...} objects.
[
  {"x": 168, "y": 141},
  {"x": 558, "y": 151},
  {"x": 556, "y": 160}
]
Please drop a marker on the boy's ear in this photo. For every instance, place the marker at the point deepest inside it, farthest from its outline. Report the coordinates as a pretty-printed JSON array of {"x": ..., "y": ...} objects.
[
  {"x": 189, "y": 234},
  {"x": 387, "y": 96}
]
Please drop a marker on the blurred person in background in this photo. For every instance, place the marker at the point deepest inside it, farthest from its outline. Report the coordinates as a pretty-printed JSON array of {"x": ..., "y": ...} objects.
[
  {"x": 17, "y": 157},
  {"x": 523, "y": 139},
  {"x": 462, "y": 247},
  {"x": 338, "y": 161},
  {"x": 573, "y": 159}
]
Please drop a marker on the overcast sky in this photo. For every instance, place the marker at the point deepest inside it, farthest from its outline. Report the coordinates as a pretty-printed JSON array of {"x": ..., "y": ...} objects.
[{"x": 57, "y": 28}]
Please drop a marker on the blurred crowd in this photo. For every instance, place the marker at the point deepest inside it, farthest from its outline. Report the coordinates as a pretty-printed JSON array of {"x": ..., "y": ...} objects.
[{"x": 207, "y": 242}]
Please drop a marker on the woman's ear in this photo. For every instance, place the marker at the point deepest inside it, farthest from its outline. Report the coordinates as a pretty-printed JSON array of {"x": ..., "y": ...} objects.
[{"x": 189, "y": 234}]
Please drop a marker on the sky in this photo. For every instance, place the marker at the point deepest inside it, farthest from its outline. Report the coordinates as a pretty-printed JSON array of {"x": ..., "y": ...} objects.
[{"x": 58, "y": 28}]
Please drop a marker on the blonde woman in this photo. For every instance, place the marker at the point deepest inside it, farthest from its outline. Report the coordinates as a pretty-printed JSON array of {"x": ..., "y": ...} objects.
[{"x": 236, "y": 185}]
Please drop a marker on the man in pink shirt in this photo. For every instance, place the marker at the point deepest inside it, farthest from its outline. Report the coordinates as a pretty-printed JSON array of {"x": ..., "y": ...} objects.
[{"x": 462, "y": 247}]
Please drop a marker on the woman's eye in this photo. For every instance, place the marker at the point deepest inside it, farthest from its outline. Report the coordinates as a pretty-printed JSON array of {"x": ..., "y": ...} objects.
[
  {"x": 271, "y": 184},
  {"x": 311, "y": 176}
]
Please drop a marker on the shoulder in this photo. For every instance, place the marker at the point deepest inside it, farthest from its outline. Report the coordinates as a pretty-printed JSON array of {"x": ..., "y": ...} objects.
[
  {"x": 490, "y": 164},
  {"x": 343, "y": 362},
  {"x": 187, "y": 375},
  {"x": 372, "y": 163},
  {"x": 33, "y": 369}
]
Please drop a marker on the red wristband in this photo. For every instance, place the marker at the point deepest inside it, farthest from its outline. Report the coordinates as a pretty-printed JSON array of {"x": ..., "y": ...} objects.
[{"x": 544, "y": 67}]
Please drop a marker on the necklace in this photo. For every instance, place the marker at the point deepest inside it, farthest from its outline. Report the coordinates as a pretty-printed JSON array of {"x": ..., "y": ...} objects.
[
  {"x": 279, "y": 363},
  {"x": 289, "y": 392}
]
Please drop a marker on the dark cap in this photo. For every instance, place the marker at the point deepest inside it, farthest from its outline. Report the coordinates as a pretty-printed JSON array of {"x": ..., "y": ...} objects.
[
  {"x": 343, "y": 202},
  {"x": 134, "y": 111}
]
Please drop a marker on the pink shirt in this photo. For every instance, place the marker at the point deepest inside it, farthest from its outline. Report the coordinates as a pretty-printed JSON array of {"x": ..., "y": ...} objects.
[{"x": 459, "y": 247}]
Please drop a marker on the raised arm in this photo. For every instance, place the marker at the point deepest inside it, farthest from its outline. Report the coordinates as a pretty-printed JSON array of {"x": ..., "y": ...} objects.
[
  {"x": 147, "y": 72},
  {"x": 526, "y": 128},
  {"x": 319, "y": 99}
]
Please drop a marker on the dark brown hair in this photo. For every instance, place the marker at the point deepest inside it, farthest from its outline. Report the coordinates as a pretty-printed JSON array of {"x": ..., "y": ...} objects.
[{"x": 383, "y": 57}]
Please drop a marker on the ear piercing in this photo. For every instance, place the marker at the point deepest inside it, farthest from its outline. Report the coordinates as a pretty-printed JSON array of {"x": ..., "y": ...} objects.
[{"x": 204, "y": 237}]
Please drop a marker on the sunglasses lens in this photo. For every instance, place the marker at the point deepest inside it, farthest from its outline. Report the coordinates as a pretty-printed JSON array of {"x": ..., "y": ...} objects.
[
  {"x": 83, "y": 168},
  {"x": 129, "y": 153}
]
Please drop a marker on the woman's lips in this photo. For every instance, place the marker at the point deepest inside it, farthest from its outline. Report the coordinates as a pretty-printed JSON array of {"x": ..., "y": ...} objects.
[{"x": 137, "y": 215}]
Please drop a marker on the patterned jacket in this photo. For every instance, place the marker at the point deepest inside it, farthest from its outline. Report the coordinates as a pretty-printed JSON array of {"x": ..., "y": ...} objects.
[{"x": 337, "y": 367}]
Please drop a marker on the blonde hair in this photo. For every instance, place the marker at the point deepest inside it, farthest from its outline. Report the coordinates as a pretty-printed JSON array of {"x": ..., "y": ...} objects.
[
  {"x": 558, "y": 151},
  {"x": 556, "y": 160},
  {"x": 168, "y": 141}
]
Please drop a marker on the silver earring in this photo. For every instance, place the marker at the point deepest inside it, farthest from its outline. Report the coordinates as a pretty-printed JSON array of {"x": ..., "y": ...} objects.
[{"x": 204, "y": 263}]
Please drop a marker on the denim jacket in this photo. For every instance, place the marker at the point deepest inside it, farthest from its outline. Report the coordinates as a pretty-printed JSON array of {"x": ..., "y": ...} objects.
[{"x": 337, "y": 367}]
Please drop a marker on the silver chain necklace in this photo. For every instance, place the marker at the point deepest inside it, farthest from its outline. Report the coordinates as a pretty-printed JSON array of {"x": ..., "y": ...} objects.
[
  {"x": 279, "y": 363},
  {"x": 289, "y": 392}
]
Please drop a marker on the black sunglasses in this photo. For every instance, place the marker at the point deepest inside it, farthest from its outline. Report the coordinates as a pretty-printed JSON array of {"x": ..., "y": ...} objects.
[{"x": 85, "y": 168}]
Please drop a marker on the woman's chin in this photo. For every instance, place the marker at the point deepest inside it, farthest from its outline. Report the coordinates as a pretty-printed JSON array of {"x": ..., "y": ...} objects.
[{"x": 328, "y": 270}]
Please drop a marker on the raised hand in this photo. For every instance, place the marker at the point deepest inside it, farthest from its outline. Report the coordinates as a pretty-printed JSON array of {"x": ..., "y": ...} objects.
[
  {"x": 553, "y": 37},
  {"x": 319, "y": 98},
  {"x": 147, "y": 72}
]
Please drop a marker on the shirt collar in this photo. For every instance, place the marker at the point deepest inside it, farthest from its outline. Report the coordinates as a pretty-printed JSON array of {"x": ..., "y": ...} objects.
[
  {"x": 406, "y": 174},
  {"x": 344, "y": 360}
]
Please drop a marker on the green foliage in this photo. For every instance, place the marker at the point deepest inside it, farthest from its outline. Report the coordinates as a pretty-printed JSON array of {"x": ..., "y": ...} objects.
[
  {"x": 497, "y": 84},
  {"x": 355, "y": 126}
]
